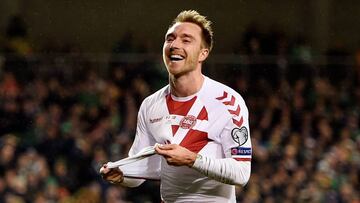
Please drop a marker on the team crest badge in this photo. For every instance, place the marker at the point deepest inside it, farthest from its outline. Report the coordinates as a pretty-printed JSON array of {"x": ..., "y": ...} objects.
[{"x": 188, "y": 122}]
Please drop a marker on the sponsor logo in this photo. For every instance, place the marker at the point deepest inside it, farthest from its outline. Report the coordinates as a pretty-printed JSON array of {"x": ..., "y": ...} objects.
[
  {"x": 188, "y": 122},
  {"x": 234, "y": 151},
  {"x": 155, "y": 120},
  {"x": 241, "y": 151},
  {"x": 240, "y": 135}
]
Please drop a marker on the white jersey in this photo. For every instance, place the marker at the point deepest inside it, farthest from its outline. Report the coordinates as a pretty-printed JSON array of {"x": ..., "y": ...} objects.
[{"x": 213, "y": 123}]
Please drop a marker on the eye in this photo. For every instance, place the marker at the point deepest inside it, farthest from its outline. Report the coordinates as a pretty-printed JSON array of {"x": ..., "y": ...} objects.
[
  {"x": 169, "y": 38},
  {"x": 186, "y": 41}
]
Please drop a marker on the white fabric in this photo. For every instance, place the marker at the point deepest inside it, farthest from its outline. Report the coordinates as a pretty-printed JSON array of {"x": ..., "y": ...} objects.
[
  {"x": 145, "y": 152},
  {"x": 203, "y": 183},
  {"x": 136, "y": 169},
  {"x": 227, "y": 170}
]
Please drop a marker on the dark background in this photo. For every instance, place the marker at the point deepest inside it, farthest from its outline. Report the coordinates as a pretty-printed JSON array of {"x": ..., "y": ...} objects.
[
  {"x": 96, "y": 25},
  {"x": 74, "y": 73}
]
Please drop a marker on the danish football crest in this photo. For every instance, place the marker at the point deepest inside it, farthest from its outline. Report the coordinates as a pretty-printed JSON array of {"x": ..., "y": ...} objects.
[{"x": 188, "y": 122}]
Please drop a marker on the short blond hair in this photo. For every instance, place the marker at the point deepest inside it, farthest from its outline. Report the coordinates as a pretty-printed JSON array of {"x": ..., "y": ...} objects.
[{"x": 192, "y": 16}]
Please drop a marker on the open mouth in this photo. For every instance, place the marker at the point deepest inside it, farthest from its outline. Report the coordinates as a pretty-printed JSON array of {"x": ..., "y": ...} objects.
[{"x": 176, "y": 57}]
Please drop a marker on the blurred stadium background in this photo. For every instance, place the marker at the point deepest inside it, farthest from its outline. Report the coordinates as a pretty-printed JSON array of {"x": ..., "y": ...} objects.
[{"x": 73, "y": 74}]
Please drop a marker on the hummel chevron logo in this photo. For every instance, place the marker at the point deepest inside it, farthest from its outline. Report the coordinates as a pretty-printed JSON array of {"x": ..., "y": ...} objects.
[
  {"x": 222, "y": 97},
  {"x": 238, "y": 122},
  {"x": 236, "y": 112},
  {"x": 231, "y": 103}
]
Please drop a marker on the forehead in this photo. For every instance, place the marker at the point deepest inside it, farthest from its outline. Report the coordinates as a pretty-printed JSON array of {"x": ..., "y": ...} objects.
[{"x": 185, "y": 28}]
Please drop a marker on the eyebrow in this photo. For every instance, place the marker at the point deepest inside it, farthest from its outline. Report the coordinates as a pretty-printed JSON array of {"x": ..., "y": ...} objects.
[
  {"x": 169, "y": 35},
  {"x": 187, "y": 35},
  {"x": 181, "y": 36}
]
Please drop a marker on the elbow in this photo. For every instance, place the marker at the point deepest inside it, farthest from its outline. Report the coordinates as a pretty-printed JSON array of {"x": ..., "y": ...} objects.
[
  {"x": 244, "y": 175},
  {"x": 244, "y": 179}
]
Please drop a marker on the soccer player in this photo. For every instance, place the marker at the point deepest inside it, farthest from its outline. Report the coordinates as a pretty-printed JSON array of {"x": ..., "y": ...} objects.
[{"x": 202, "y": 125}]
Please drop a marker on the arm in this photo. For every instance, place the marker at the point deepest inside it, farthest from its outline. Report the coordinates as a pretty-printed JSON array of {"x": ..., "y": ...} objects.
[
  {"x": 236, "y": 143},
  {"x": 226, "y": 170}
]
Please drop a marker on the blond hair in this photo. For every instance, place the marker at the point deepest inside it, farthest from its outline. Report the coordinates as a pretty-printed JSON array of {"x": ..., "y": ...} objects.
[{"x": 192, "y": 16}]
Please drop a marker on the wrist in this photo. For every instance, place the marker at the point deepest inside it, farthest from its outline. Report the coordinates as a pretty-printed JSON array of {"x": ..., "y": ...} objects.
[{"x": 194, "y": 159}]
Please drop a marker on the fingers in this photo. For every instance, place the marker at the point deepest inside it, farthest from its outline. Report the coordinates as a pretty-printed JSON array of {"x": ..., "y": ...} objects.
[
  {"x": 113, "y": 175},
  {"x": 161, "y": 149},
  {"x": 166, "y": 146},
  {"x": 168, "y": 151},
  {"x": 163, "y": 153},
  {"x": 176, "y": 155},
  {"x": 164, "y": 150}
]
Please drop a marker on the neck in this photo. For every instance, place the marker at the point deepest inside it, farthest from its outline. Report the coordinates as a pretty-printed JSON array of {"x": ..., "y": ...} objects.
[{"x": 186, "y": 85}]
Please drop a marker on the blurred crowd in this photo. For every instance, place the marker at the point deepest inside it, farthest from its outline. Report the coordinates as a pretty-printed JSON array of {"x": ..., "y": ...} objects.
[{"x": 61, "y": 119}]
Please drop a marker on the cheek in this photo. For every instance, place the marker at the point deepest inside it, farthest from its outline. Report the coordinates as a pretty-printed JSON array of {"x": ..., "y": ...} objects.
[
  {"x": 194, "y": 54},
  {"x": 166, "y": 47}
]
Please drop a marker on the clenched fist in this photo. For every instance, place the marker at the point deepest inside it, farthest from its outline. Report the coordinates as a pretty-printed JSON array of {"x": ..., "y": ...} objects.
[{"x": 112, "y": 175}]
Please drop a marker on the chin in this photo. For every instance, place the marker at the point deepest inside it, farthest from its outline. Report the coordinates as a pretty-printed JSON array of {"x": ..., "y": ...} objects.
[
  {"x": 174, "y": 68},
  {"x": 175, "y": 73}
]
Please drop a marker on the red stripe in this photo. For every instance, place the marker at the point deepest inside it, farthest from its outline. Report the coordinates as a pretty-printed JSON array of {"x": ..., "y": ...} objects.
[
  {"x": 222, "y": 97},
  {"x": 179, "y": 108},
  {"x": 203, "y": 115},
  {"x": 231, "y": 102},
  {"x": 195, "y": 140},
  {"x": 238, "y": 122},
  {"x": 174, "y": 129},
  {"x": 242, "y": 159},
  {"x": 236, "y": 112}
]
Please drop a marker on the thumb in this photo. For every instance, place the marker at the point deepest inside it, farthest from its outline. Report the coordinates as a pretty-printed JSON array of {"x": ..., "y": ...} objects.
[{"x": 104, "y": 169}]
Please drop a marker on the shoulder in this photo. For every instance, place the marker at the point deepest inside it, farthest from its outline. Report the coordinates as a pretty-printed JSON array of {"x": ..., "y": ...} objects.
[
  {"x": 154, "y": 98},
  {"x": 221, "y": 100},
  {"x": 221, "y": 93},
  {"x": 228, "y": 105}
]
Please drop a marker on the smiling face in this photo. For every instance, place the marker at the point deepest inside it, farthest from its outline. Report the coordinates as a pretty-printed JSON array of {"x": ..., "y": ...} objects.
[{"x": 183, "y": 50}]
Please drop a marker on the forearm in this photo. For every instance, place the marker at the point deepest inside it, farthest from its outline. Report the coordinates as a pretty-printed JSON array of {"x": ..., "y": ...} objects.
[{"x": 225, "y": 170}]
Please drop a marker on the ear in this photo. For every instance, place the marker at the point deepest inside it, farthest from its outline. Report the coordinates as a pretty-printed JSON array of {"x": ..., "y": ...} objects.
[{"x": 204, "y": 53}]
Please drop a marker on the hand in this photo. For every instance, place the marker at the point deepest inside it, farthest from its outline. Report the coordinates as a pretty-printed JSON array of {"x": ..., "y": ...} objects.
[
  {"x": 112, "y": 175},
  {"x": 176, "y": 155}
]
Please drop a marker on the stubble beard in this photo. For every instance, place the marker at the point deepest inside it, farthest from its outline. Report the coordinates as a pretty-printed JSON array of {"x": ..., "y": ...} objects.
[
  {"x": 186, "y": 69},
  {"x": 189, "y": 65}
]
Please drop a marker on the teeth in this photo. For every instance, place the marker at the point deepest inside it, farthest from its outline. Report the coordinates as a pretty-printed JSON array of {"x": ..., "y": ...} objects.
[{"x": 176, "y": 57}]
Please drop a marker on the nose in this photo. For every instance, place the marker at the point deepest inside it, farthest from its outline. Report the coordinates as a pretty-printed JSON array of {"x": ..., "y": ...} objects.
[{"x": 174, "y": 44}]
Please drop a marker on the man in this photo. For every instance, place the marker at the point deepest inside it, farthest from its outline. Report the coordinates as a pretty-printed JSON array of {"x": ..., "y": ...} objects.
[{"x": 202, "y": 125}]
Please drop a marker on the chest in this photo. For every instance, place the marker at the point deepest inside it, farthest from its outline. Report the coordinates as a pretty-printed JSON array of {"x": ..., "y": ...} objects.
[{"x": 190, "y": 124}]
